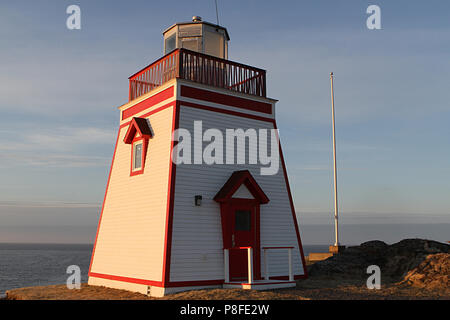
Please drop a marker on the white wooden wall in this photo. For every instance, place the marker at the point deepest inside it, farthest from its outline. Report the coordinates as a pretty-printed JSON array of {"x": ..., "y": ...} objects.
[
  {"x": 131, "y": 236},
  {"x": 197, "y": 235}
]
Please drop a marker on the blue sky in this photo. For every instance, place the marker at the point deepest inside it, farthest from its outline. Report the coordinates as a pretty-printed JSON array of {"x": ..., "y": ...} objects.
[{"x": 60, "y": 89}]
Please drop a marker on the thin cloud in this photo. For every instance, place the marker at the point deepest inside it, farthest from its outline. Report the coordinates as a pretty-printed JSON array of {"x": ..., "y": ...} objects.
[
  {"x": 51, "y": 160},
  {"x": 61, "y": 147},
  {"x": 48, "y": 204}
]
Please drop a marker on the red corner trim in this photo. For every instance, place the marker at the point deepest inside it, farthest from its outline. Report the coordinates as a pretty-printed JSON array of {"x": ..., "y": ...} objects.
[
  {"x": 294, "y": 216},
  {"x": 170, "y": 201}
]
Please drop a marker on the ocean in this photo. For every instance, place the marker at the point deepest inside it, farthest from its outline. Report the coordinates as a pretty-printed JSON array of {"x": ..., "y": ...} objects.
[{"x": 27, "y": 265}]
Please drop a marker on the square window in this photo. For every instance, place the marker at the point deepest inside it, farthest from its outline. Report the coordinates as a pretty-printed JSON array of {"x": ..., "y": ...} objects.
[
  {"x": 170, "y": 44},
  {"x": 242, "y": 220}
]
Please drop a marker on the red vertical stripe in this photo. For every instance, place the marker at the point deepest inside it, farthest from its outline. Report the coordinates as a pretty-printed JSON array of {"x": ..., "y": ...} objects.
[{"x": 170, "y": 203}]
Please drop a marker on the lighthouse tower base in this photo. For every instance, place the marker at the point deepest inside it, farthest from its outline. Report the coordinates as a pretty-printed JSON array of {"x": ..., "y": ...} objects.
[{"x": 155, "y": 291}]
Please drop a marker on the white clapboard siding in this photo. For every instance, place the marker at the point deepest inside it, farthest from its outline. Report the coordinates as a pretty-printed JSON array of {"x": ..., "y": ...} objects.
[
  {"x": 197, "y": 233},
  {"x": 132, "y": 228}
]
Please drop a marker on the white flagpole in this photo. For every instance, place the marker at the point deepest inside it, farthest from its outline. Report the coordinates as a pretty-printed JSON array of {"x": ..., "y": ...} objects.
[
  {"x": 335, "y": 167},
  {"x": 217, "y": 14}
]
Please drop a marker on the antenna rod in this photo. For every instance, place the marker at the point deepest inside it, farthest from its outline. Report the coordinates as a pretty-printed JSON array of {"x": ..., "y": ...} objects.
[
  {"x": 335, "y": 167},
  {"x": 217, "y": 14}
]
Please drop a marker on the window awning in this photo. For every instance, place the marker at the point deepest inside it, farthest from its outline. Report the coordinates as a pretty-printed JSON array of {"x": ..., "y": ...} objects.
[{"x": 140, "y": 126}]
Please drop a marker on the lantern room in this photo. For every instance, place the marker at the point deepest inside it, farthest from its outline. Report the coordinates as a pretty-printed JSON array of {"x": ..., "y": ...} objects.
[{"x": 198, "y": 36}]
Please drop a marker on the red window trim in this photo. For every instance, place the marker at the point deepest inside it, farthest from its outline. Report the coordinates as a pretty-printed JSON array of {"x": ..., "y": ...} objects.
[{"x": 143, "y": 155}]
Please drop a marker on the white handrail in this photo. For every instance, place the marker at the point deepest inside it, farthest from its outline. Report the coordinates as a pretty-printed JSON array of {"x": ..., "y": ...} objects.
[
  {"x": 226, "y": 257},
  {"x": 226, "y": 260},
  {"x": 266, "y": 261},
  {"x": 250, "y": 264}
]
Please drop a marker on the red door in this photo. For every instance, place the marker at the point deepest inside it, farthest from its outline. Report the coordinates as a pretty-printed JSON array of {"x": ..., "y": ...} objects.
[{"x": 243, "y": 234}]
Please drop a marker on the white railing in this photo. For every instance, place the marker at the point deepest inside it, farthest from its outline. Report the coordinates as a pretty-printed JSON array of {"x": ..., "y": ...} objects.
[
  {"x": 226, "y": 259},
  {"x": 266, "y": 261}
]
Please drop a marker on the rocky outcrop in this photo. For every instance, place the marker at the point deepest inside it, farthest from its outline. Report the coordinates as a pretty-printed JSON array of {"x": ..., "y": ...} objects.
[
  {"x": 396, "y": 261},
  {"x": 432, "y": 273}
]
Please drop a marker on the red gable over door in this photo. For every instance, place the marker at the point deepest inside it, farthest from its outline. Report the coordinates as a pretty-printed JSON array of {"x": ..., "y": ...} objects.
[
  {"x": 235, "y": 181},
  {"x": 240, "y": 222}
]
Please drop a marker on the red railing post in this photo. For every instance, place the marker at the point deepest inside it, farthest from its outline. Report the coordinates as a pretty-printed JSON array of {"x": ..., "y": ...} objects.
[{"x": 179, "y": 64}]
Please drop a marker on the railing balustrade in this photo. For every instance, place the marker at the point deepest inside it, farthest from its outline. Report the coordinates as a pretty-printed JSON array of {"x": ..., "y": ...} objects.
[
  {"x": 200, "y": 68},
  {"x": 226, "y": 259},
  {"x": 266, "y": 261}
]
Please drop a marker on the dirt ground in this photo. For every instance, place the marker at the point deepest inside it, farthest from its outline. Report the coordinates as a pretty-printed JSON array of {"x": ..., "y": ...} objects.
[
  {"x": 412, "y": 269},
  {"x": 309, "y": 289}
]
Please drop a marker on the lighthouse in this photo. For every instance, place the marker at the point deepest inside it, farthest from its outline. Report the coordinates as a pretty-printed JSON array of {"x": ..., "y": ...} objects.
[{"x": 198, "y": 193}]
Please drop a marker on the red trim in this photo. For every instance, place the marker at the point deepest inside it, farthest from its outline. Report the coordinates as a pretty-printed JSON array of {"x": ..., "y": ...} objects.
[
  {"x": 170, "y": 104},
  {"x": 170, "y": 201},
  {"x": 234, "y": 113},
  {"x": 141, "y": 71},
  {"x": 278, "y": 247},
  {"x": 149, "y": 102},
  {"x": 296, "y": 277},
  {"x": 181, "y": 283},
  {"x": 143, "y": 155},
  {"x": 194, "y": 283},
  {"x": 137, "y": 125},
  {"x": 104, "y": 199},
  {"x": 294, "y": 216},
  {"x": 257, "y": 262},
  {"x": 238, "y": 178},
  {"x": 126, "y": 279},
  {"x": 157, "y": 283},
  {"x": 227, "y": 209},
  {"x": 257, "y": 284},
  {"x": 169, "y": 218},
  {"x": 225, "y": 99},
  {"x": 229, "y": 205}
]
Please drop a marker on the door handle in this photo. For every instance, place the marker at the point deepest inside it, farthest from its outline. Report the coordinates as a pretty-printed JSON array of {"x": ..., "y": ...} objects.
[{"x": 232, "y": 240}]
